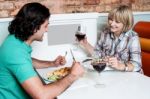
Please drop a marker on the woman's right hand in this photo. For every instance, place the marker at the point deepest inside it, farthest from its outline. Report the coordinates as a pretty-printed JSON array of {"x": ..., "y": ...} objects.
[
  {"x": 89, "y": 48},
  {"x": 83, "y": 42},
  {"x": 77, "y": 70}
]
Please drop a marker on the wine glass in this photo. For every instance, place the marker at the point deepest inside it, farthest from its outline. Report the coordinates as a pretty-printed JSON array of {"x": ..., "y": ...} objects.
[
  {"x": 98, "y": 65},
  {"x": 80, "y": 34}
]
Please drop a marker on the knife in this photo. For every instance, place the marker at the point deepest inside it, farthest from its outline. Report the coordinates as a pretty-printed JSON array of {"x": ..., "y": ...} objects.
[
  {"x": 86, "y": 60},
  {"x": 72, "y": 55}
]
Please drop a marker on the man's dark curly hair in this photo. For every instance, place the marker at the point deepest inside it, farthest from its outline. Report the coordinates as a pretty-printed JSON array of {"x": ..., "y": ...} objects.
[{"x": 28, "y": 20}]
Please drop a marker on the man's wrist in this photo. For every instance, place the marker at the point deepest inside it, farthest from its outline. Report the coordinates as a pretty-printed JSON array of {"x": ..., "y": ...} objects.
[
  {"x": 72, "y": 77},
  {"x": 54, "y": 63}
]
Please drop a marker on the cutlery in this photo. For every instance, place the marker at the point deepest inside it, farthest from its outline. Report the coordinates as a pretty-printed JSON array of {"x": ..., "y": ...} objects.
[
  {"x": 86, "y": 60},
  {"x": 72, "y": 55},
  {"x": 65, "y": 53}
]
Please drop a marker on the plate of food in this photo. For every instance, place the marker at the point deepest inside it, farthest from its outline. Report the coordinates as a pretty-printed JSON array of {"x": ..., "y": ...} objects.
[{"x": 57, "y": 74}]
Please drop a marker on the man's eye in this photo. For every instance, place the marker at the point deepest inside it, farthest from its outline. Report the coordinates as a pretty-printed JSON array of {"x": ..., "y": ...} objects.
[{"x": 46, "y": 26}]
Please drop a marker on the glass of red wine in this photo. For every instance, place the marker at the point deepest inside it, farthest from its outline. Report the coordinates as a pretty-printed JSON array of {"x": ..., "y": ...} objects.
[
  {"x": 80, "y": 34},
  {"x": 98, "y": 65}
]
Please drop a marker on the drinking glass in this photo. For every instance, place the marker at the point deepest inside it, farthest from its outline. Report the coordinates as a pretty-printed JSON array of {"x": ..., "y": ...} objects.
[
  {"x": 99, "y": 65},
  {"x": 80, "y": 34}
]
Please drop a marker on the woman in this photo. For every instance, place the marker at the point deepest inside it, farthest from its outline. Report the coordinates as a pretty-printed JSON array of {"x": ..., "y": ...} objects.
[{"x": 118, "y": 43}]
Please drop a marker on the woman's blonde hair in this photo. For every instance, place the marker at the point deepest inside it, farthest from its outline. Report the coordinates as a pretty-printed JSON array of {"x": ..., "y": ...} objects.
[{"x": 124, "y": 15}]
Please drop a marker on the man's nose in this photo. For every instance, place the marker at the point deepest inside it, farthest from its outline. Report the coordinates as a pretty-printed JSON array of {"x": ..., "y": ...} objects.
[{"x": 46, "y": 30}]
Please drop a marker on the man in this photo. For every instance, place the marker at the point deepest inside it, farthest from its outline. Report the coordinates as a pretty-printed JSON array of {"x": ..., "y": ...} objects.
[{"x": 18, "y": 80}]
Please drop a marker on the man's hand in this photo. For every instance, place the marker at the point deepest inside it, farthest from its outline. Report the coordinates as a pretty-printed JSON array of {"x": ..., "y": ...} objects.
[
  {"x": 77, "y": 70},
  {"x": 60, "y": 60}
]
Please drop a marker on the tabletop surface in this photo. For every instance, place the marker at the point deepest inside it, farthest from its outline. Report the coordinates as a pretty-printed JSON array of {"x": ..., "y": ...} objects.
[{"x": 114, "y": 85}]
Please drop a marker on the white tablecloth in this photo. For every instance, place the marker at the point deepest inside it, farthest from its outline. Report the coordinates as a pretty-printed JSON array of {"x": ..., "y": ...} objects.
[{"x": 117, "y": 85}]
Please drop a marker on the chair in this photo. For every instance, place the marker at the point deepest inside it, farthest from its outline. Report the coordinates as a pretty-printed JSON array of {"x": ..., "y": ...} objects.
[{"x": 143, "y": 30}]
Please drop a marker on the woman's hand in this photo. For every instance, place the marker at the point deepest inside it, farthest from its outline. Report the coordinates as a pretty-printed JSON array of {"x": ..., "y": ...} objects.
[
  {"x": 88, "y": 47},
  {"x": 60, "y": 60},
  {"x": 83, "y": 42},
  {"x": 115, "y": 63}
]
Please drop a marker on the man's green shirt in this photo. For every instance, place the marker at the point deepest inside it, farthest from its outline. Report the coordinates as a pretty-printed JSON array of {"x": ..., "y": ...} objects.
[{"x": 15, "y": 68}]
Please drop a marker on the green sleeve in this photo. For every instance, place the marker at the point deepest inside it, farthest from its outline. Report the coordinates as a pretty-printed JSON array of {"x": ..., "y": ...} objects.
[{"x": 20, "y": 64}]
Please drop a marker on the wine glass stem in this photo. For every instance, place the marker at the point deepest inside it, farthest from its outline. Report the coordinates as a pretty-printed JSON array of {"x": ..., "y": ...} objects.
[{"x": 98, "y": 83}]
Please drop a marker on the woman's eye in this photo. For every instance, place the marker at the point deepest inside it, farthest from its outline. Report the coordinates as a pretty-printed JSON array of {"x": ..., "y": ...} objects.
[
  {"x": 110, "y": 19},
  {"x": 118, "y": 22}
]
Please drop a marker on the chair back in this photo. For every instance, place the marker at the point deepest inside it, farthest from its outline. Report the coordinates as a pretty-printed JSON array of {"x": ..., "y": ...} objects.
[{"x": 143, "y": 30}]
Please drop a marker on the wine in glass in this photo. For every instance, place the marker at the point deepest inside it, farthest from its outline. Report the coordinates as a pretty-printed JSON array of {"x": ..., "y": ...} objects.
[
  {"x": 80, "y": 36},
  {"x": 99, "y": 67}
]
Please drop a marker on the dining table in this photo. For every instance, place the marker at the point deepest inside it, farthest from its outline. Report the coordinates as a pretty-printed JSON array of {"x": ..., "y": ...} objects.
[{"x": 112, "y": 85}]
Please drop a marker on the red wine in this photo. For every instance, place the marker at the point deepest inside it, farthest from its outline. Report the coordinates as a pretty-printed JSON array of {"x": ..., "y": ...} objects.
[
  {"x": 99, "y": 67},
  {"x": 80, "y": 36}
]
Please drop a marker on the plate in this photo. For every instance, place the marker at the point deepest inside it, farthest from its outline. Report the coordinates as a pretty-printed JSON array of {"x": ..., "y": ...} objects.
[
  {"x": 87, "y": 65},
  {"x": 57, "y": 74}
]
